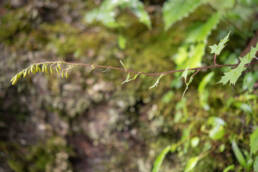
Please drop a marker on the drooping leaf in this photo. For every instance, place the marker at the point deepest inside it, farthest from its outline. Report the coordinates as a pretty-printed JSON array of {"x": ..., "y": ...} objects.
[
  {"x": 107, "y": 12},
  {"x": 254, "y": 141},
  {"x": 184, "y": 75},
  {"x": 217, "y": 48},
  {"x": 175, "y": 10},
  {"x": 156, "y": 82},
  {"x": 203, "y": 92},
  {"x": 233, "y": 75},
  {"x": 160, "y": 158},
  {"x": 137, "y": 8},
  {"x": 229, "y": 168},
  {"x": 256, "y": 164},
  {"x": 191, "y": 163},
  {"x": 238, "y": 154}
]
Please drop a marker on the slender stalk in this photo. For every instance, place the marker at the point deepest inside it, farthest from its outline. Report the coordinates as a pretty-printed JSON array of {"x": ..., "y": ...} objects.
[{"x": 152, "y": 74}]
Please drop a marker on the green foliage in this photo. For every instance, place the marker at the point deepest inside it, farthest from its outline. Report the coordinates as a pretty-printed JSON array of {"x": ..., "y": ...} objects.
[
  {"x": 233, "y": 75},
  {"x": 192, "y": 51},
  {"x": 187, "y": 83},
  {"x": 191, "y": 163},
  {"x": 239, "y": 155},
  {"x": 160, "y": 158},
  {"x": 47, "y": 68},
  {"x": 223, "y": 5},
  {"x": 229, "y": 168},
  {"x": 249, "y": 81},
  {"x": 203, "y": 91},
  {"x": 256, "y": 164},
  {"x": 122, "y": 42},
  {"x": 156, "y": 82},
  {"x": 217, "y": 131},
  {"x": 216, "y": 49},
  {"x": 175, "y": 10},
  {"x": 107, "y": 12},
  {"x": 254, "y": 141}
]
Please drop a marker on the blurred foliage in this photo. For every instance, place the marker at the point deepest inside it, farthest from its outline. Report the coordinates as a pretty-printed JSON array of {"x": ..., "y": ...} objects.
[{"x": 91, "y": 122}]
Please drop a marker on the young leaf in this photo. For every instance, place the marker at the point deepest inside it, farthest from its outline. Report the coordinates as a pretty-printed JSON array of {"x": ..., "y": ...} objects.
[
  {"x": 121, "y": 42},
  {"x": 254, "y": 141},
  {"x": 175, "y": 10},
  {"x": 157, "y": 81},
  {"x": 137, "y": 8},
  {"x": 191, "y": 163},
  {"x": 228, "y": 168},
  {"x": 239, "y": 154},
  {"x": 256, "y": 164},
  {"x": 203, "y": 92},
  {"x": 127, "y": 79},
  {"x": 217, "y": 131},
  {"x": 216, "y": 49},
  {"x": 160, "y": 158},
  {"x": 233, "y": 75}
]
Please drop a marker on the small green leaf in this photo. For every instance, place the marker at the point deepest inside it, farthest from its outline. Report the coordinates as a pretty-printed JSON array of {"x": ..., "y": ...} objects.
[
  {"x": 121, "y": 42},
  {"x": 203, "y": 92},
  {"x": 191, "y": 164},
  {"x": 160, "y": 158},
  {"x": 25, "y": 73},
  {"x": 107, "y": 12},
  {"x": 14, "y": 80},
  {"x": 157, "y": 82},
  {"x": 229, "y": 168},
  {"x": 254, "y": 141},
  {"x": 216, "y": 49},
  {"x": 195, "y": 141},
  {"x": 233, "y": 75},
  {"x": 239, "y": 154},
  {"x": 256, "y": 164},
  {"x": 217, "y": 131}
]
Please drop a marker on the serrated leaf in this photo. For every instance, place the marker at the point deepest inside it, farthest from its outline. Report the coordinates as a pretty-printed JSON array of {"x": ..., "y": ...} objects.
[
  {"x": 217, "y": 48},
  {"x": 233, "y": 75},
  {"x": 160, "y": 158},
  {"x": 191, "y": 163},
  {"x": 175, "y": 10},
  {"x": 254, "y": 141},
  {"x": 191, "y": 53},
  {"x": 202, "y": 32}
]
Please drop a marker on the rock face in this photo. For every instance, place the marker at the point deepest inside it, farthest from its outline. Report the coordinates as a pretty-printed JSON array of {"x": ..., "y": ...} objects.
[{"x": 90, "y": 122}]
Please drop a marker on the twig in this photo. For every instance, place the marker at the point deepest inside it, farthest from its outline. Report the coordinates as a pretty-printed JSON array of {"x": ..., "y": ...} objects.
[{"x": 152, "y": 74}]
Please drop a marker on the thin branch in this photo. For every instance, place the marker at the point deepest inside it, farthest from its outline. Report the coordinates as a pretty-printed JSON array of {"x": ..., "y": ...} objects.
[{"x": 152, "y": 74}]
